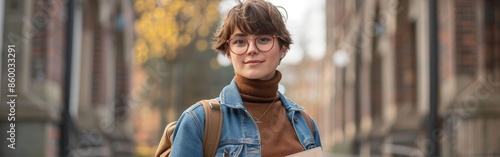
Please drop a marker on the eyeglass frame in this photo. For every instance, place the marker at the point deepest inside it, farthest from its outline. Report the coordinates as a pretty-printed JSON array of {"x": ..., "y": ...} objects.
[{"x": 254, "y": 43}]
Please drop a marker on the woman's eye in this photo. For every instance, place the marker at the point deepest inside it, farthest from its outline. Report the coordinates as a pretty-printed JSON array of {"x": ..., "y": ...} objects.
[
  {"x": 238, "y": 41},
  {"x": 264, "y": 39}
]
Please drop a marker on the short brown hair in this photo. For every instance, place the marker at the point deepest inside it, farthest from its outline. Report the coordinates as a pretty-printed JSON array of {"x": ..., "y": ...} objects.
[{"x": 252, "y": 17}]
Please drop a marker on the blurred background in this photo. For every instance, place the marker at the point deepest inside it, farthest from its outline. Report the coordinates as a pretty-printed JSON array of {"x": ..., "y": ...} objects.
[{"x": 380, "y": 77}]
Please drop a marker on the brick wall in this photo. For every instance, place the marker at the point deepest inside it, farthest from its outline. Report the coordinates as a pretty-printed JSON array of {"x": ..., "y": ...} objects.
[
  {"x": 48, "y": 42},
  {"x": 56, "y": 40},
  {"x": 446, "y": 20},
  {"x": 98, "y": 68},
  {"x": 405, "y": 48},
  {"x": 470, "y": 124},
  {"x": 492, "y": 37},
  {"x": 466, "y": 40},
  {"x": 122, "y": 78},
  {"x": 39, "y": 46}
]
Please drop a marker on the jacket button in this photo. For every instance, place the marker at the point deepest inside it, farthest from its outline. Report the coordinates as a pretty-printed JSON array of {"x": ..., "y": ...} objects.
[{"x": 295, "y": 119}]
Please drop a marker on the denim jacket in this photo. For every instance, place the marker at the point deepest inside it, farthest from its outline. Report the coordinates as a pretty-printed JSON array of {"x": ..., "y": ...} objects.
[{"x": 240, "y": 135}]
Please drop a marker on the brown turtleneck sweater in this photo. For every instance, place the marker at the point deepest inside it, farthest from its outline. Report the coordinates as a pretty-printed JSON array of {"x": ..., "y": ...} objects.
[{"x": 277, "y": 134}]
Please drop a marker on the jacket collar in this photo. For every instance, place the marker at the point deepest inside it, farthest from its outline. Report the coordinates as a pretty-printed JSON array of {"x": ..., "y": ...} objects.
[{"x": 230, "y": 97}]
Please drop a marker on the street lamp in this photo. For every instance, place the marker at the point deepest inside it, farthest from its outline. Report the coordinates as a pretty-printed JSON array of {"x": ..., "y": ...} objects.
[{"x": 341, "y": 58}]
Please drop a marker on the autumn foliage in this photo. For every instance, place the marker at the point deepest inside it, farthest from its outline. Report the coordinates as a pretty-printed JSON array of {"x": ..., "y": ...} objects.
[{"x": 165, "y": 26}]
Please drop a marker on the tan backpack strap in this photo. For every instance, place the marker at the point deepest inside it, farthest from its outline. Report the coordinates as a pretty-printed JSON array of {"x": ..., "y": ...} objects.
[
  {"x": 308, "y": 121},
  {"x": 213, "y": 127}
]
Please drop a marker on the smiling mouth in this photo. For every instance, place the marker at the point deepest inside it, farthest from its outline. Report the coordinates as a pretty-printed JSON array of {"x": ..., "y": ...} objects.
[{"x": 253, "y": 62}]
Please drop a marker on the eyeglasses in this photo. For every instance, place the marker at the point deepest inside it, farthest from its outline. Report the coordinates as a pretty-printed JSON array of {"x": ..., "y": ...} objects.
[{"x": 239, "y": 45}]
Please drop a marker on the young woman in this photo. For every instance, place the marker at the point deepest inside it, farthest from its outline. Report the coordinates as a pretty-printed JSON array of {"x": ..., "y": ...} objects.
[{"x": 257, "y": 119}]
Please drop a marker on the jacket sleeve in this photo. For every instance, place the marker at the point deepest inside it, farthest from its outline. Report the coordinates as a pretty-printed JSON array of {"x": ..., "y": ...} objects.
[
  {"x": 188, "y": 135},
  {"x": 317, "y": 138}
]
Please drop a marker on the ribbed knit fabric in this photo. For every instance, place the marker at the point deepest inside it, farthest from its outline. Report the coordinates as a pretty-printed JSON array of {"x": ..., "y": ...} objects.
[{"x": 276, "y": 132}]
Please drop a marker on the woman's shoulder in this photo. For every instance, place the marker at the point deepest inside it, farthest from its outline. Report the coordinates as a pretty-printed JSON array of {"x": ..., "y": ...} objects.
[{"x": 195, "y": 109}]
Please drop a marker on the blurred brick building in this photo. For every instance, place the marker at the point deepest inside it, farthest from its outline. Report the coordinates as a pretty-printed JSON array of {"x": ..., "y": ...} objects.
[
  {"x": 100, "y": 76},
  {"x": 380, "y": 99}
]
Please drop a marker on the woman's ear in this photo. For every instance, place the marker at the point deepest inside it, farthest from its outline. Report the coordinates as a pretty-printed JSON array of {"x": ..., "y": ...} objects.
[
  {"x": 228, "y": 56},
  {"x": 283, "y": 52}
]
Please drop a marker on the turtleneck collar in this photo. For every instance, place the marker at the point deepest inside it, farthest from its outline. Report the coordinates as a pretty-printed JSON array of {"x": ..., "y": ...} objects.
[{"x": 258, "y": 91}]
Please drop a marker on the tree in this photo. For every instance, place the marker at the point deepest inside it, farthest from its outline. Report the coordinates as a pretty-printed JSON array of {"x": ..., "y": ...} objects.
[
  {"x": 166, "y": 27},
  {"x": 172, "y": 38}
]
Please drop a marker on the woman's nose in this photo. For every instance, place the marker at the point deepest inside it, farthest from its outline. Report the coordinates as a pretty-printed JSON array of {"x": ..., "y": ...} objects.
[{"x": 252, "y": 48}]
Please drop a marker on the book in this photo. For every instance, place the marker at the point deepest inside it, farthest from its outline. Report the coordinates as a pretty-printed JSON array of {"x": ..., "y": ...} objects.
[{"x": 315, "y": 152}]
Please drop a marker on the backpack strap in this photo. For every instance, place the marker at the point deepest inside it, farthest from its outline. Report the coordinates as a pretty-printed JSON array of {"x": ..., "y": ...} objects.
[
  {"x": 213, "y": 126},
  {"x": 308, "y": 119}
]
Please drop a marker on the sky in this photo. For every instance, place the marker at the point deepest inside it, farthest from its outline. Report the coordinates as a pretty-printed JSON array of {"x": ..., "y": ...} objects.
[{"x": 306, "y": 24}]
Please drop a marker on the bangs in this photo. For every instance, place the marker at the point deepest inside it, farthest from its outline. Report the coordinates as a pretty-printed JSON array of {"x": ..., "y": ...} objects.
[{"x": 251, "y": 19}]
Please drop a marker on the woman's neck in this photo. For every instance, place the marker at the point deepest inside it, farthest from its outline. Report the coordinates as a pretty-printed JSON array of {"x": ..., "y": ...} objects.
[{"x": 259, "y": 91}]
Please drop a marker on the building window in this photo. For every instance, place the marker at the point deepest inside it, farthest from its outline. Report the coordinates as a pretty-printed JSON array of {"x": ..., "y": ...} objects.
[
  {"x": 492, "y": 37},
  {"x": 466, "y": 39},
  {"x": 376, "y": 69},
  {"x": 406, "y": 69}
]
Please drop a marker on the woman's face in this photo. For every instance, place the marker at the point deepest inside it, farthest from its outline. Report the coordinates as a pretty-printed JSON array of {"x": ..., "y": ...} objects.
[{"x": 254, "y": 63}]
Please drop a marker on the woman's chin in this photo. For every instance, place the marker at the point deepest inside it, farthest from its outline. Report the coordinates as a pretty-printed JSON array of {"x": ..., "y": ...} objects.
[
  {"x": 253, "y": 76},
  {"x": 259, "y": 76}
]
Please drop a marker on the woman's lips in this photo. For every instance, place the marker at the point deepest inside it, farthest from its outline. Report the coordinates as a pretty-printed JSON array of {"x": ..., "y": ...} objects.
[{"x": 253, "y": 62}]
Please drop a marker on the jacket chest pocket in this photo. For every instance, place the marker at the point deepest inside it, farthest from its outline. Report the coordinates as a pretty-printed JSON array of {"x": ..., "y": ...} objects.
[{"x": 229, "y": 151}]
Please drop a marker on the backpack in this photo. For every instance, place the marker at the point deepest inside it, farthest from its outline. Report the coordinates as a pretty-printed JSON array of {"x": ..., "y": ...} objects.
[
  {"x": 213, "y": 126},
  {"x": 212, "y": 133}
]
